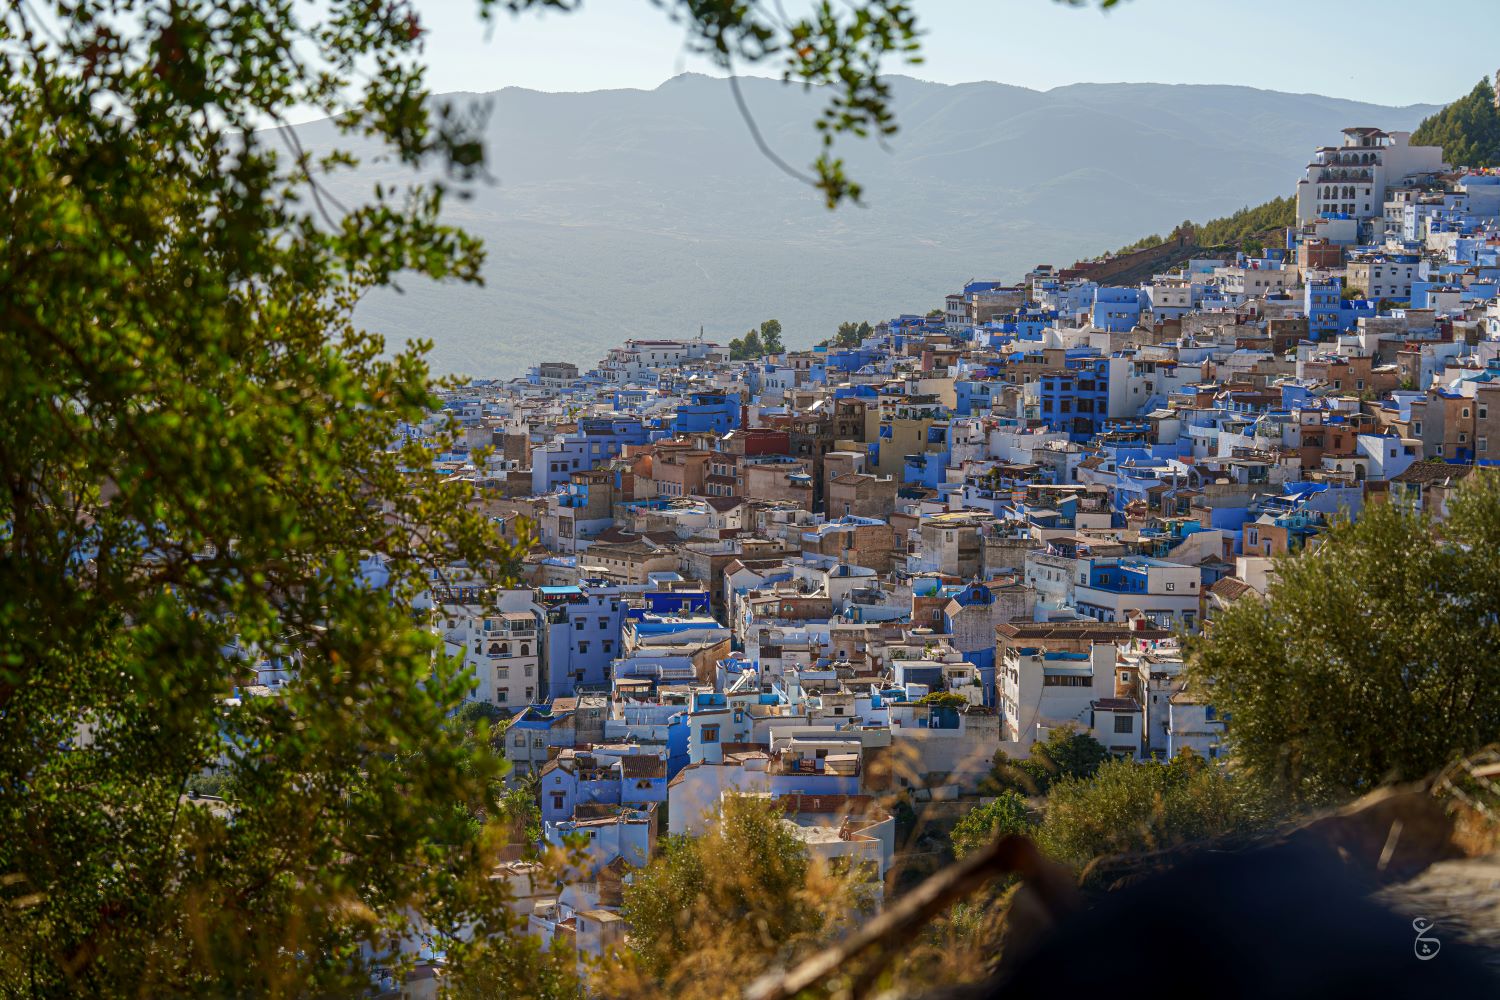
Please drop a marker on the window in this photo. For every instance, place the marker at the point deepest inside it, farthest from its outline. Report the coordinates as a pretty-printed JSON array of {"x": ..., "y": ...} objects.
[
  {"x": 1483, "y": 443},
  {"x": 557, "y": 801},
  {"x": 538, "y": 743},
  {"x": 525, "y": 649},
  {"x": 1416, "y": 428},
  {"x": 502, "y": 673},
  {"x": 1171, "y": 586},
  {"x": 578, "y": 624},
  {"x": 583, "y": 647},
  {"x": 1462, "y": 437},
  {"x": 520, "y": 739},
  {"x": 711, "y": 734},
  {"x": 1124, "y": 723},
  {"x": 1465, "y": 413},
  {"x": 609, "y": 645}
]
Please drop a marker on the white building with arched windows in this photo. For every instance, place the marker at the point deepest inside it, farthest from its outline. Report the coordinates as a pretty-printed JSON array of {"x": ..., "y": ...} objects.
[{"x": 1352, "y": 179}]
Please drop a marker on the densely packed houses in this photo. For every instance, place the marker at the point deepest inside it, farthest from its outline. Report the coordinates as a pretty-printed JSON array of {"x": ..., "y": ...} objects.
[{"x": 830, "y": 575}]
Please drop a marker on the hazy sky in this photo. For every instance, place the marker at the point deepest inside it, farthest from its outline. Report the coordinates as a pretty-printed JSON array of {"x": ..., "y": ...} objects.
[{"x": 1383, "y": 51}]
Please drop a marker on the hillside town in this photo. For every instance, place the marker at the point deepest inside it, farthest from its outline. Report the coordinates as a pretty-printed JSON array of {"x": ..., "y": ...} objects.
[
  {"x": 860, "y": 583},
  {"x": 846, "y": 576}
]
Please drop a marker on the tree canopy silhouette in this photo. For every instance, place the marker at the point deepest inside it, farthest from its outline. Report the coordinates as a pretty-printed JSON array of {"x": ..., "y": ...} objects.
[{"x": 205, "y": 462}]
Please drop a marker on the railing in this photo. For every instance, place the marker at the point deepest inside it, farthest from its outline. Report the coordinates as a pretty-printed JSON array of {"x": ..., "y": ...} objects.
[{"x": 1332, "y": 176}]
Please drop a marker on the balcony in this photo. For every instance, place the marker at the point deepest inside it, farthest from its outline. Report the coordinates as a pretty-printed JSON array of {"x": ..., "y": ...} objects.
[{"x": 1339, "y": 175}]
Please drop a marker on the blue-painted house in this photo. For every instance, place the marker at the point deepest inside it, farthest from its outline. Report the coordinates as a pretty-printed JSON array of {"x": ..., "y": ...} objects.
[
  {"x": 581, "y": 635},
  {"x": 1077, "y": 402},
  {"x": 1115, "y": 309},
  {"x": 597, "y": 440},
  {"x": 708, "y": 413},
  {"x": 975, "y": 394},
  {"x": 1320, "y": 303},
  {"x": 599, "y": 777},
  {"x": 975, "y": 602},
  {"x": 930, "y": 467}
]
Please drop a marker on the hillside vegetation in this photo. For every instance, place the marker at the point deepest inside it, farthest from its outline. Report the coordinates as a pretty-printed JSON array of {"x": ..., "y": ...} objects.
[
  {"x": 1243, "y": 226},
  {"x": 1468, "y": 129}
]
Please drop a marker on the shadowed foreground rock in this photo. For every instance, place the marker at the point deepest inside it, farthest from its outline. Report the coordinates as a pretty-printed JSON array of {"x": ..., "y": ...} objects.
[
  {"x": 1285, "y": 921},
  {"x": 1332, "y": 907}
]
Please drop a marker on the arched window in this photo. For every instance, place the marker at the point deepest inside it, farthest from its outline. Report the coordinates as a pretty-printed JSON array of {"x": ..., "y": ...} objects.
[
  {"x": 525, "y": 649},
  {"x": 494, "y": 649}
]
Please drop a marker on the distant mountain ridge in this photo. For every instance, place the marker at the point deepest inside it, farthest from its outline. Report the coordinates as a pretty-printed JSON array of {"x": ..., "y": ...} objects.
[{"x": 650, "y": 213}]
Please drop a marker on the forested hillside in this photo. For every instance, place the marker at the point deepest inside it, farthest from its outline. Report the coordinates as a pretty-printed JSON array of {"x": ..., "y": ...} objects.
[
  {"x": 1468, "y": 129},
  {"x": 1232, "y": 230}
]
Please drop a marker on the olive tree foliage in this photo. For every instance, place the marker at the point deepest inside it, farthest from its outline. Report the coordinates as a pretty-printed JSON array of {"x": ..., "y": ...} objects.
[
  {"x": 194, "y": 445},
  {"x": 1371, "y": 658},
  {"x": 1126, "y": 807},
  {"x": 516, "y": 965},
  {"x": 1006, "y": 814},
  {"x": 721, "y": 907},
  {"x": 1068, "y": 752},
  {"x": 199, "y": 452}
]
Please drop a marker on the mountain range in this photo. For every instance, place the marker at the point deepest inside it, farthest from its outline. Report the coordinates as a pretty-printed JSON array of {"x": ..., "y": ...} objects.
[{"x": 635, "y": 213}]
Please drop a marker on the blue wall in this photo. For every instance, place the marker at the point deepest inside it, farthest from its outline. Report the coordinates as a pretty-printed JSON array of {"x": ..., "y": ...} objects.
[
  {"x": 1077, "y": 403},
  {"x": 708, "y": 413},
  {"x": 1117, "y": 310},
  {"x": 575, "y": 655}
]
